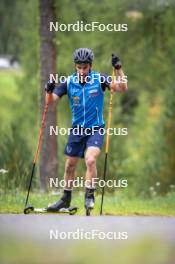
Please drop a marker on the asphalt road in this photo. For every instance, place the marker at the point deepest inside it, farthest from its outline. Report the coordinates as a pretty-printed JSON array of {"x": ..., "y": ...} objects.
[{"x": 40, "y": 227}]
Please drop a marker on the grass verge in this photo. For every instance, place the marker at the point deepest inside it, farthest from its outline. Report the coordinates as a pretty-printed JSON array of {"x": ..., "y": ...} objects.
[{"x": 114, "y": 204}]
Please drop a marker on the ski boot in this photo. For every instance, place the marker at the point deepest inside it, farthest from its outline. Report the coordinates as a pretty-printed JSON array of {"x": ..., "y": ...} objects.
[
  {"x": 63, "y": 203},
  {"x": 89, "y": 201}
]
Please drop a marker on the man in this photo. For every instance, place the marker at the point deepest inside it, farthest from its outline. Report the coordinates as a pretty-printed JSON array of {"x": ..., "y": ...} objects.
[{"x": 86, "y": 97}]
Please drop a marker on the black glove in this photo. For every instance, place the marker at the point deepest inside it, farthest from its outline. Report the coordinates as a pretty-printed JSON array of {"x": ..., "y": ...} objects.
[
  {"x": 116, "y": 63},
  {"x": 49, "y": 87}
]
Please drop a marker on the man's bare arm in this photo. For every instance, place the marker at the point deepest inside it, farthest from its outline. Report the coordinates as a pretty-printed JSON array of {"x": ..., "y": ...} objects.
[{"x": 120, "y": 84}]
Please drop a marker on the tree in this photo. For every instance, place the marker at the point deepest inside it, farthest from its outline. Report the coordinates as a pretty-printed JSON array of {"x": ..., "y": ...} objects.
[{"x": 48, "y": 154}]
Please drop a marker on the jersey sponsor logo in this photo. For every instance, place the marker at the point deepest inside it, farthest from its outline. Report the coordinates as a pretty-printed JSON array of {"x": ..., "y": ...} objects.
[
  {"x": 94, "y": 86},
  {"x": 93, "y": 91},
  {"x": 69, "y": 149},
  {"x": 76, "y": 100}
]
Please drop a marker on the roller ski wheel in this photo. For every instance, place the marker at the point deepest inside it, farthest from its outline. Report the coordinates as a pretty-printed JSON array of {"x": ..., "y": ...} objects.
[
  {"x": 88, "y": 211},
  {"x": 28, "y": 209}
]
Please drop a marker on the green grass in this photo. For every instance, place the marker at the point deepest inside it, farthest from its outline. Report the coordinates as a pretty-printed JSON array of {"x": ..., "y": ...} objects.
[
  {"x": 9, "y": 95},
  {"x": 117, "y": 204}
]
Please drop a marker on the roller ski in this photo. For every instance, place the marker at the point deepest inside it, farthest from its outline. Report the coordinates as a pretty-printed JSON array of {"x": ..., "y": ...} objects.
[
  {"x": 31, "y": 210},
  {"x": 89, "y": 201},
  {"x": 60, "y": 207}
]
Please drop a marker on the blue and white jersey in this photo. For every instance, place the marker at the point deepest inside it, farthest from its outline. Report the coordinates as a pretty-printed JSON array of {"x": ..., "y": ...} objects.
[{"x": 86, "y": 100}]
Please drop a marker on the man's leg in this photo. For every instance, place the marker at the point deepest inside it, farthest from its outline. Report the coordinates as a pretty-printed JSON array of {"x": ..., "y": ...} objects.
[
  {"x": 69, "y": 172},
  {"x": 91, "y": 173},
  {"x": 90, "y": 159},
  {"x": 65, "y": 200}
]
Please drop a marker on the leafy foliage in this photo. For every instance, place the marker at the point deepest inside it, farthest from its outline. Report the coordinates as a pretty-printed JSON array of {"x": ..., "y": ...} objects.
[{"x": 146, "y": 156}]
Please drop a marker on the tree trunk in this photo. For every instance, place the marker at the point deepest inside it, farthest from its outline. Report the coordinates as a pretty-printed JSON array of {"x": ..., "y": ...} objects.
[{"x": 48, "y": 153}]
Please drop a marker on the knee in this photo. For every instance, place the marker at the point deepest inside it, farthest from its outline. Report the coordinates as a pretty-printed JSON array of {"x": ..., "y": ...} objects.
[
  {"x": 90, "y": 162},
  {"x": 70, "y": 167}
]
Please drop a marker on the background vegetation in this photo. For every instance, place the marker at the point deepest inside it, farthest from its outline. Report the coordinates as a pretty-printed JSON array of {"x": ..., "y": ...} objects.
[{"x": 146, "y": 156}]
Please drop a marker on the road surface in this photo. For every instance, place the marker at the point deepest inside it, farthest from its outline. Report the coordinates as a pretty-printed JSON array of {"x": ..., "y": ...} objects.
[{"x": 39, "y": 227}]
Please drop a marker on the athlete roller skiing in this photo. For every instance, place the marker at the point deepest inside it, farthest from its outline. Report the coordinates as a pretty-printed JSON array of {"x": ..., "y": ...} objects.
[{"x": 86, "y": 99}]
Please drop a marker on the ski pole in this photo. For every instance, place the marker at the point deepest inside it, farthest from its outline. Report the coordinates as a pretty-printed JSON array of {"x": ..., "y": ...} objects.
[
  {"x": 38, "y": 145},
  {"x": 107, "y": 141}
]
